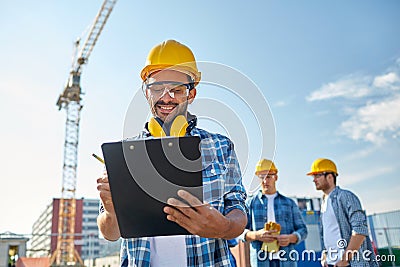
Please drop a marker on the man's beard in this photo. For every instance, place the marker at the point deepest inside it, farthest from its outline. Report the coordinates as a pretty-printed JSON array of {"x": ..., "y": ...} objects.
[{"x": 179, "y": 109}]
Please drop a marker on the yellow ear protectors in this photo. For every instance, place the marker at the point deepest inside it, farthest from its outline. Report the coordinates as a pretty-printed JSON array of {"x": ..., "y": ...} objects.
[
  {"x": 155, "y": 128},
  {"x": 178, "y": 127}
]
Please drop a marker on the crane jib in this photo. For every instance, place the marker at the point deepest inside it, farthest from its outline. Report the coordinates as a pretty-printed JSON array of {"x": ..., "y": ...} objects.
[{"x": 65, "y": 252}]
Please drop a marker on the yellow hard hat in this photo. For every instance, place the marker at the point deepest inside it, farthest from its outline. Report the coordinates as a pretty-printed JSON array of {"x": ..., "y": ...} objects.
[
  {"x": 265, "y": 165},
  {"x": 322, "y": 165},
  {"x": 172, "y": 55}
]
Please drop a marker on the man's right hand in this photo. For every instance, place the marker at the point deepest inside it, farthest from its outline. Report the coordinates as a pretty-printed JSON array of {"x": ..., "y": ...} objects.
[
  {"x": 261, "y": 235},
  {"x": 323, "y": 260},
  {"x": 103, "y": 187}
]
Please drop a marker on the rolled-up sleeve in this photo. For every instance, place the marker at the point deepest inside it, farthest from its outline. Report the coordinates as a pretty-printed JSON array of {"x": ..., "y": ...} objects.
[{"x": 356, "y": 214}]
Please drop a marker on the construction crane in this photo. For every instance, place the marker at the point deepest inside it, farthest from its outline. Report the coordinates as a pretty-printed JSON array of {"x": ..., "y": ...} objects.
[{"x": 70, "y": 100}]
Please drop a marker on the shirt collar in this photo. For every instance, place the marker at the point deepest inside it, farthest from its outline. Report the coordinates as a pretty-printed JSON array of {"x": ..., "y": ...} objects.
[
  {"x": 332, "y": 194},
  {"x": 261, "y": 195}
]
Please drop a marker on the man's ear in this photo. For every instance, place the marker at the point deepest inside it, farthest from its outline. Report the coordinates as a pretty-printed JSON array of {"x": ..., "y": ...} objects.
[
  {"x": 192, "y": 95},
  {"x": 331, "y": 178}
]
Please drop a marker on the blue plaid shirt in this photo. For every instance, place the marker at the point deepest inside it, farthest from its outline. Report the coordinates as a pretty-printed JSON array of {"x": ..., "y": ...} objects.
[
  {"x": 222, "y": 188},
  {"x": 287, "y": 214},
  {"x": 352, "y": 220}
]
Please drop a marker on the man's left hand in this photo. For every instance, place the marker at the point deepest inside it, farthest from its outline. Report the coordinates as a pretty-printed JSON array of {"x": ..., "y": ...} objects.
[
  {"x": 285, "y": 240},
  {"x": 198, "y": 218}
]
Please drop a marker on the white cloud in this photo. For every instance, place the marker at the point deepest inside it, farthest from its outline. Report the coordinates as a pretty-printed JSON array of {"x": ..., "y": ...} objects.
[
  {"x": 390, "y": 80},
  {"x": 360, "y": 154},
  {"x": 372, "y": 121},
  {"x": 280, "y": 104},
  {"x": 365, "y": 175},
  {"x": 353, "y": 86}
]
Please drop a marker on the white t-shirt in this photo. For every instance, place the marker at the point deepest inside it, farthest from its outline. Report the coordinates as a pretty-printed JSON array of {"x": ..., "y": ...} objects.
[
  {"x": 331, "y": 232},
  {"x": 270, "y": 208},
  {"x": 168, "y": 251},
  {"x": 271, "y": 216}
]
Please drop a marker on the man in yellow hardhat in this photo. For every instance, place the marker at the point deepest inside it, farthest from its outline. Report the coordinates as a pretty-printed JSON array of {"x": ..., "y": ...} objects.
[
  {"x": 269, "y": 206},
  {"x": 344, "y": 223},
  {"x": 169, "y": 78}
]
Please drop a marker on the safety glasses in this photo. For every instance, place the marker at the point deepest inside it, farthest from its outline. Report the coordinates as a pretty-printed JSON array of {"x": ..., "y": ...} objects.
[{"x": 173, "y": 88}]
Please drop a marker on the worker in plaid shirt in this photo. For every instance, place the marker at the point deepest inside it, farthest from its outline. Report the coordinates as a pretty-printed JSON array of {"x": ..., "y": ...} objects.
[
  {"x": 169, "y": 80},
  {"x": 268, "y": 205},
  {"x": 343, "y": 221}
]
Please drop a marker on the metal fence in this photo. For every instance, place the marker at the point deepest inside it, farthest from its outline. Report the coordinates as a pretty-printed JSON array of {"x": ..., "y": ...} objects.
[{"x": 385, "y": 233}]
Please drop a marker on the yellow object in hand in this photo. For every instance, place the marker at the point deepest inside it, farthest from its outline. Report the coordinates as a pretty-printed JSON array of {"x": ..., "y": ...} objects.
[
  {"x": 98, "y": 158},
  {"x": 271, "y": 246}
]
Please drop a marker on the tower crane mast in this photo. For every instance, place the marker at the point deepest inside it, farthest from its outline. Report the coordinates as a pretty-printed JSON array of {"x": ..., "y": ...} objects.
[{"x": 70, "y": 100}]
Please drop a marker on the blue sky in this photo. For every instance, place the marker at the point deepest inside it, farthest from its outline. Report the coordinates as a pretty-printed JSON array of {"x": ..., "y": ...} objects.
[{"x": 330, "y": 72}]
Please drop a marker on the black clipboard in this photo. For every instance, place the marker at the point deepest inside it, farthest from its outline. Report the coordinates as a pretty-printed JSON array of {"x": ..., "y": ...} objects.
[{"x": 143, "y": 174}]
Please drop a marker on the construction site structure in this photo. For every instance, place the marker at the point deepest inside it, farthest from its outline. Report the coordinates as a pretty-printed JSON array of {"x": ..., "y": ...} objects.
[{"x": 70, "y": 100}]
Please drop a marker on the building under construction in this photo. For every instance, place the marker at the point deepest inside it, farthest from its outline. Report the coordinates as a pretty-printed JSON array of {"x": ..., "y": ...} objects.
[{"x": 86, "y": 238}]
